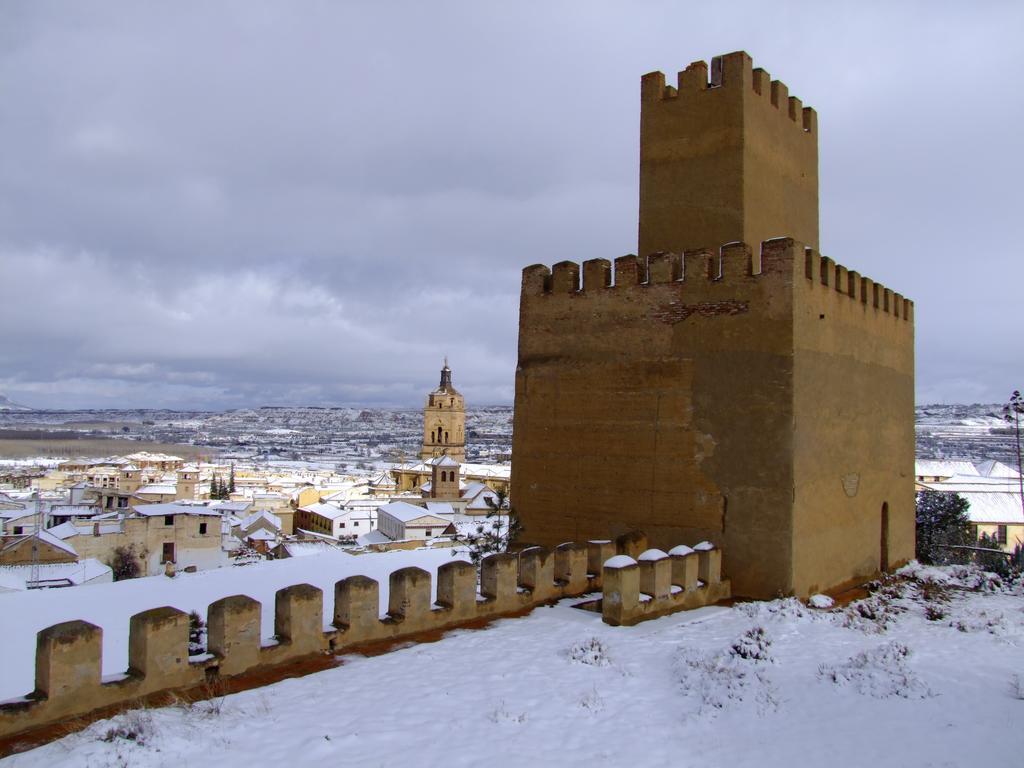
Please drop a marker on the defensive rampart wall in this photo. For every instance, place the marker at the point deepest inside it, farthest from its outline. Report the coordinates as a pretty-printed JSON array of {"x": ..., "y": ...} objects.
[
  {"x": 69, "y": 681},
  {"x": 755, "y": 398}
]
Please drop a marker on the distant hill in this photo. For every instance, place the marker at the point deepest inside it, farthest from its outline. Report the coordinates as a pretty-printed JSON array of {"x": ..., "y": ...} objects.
[{"x": 7, "y": 405}]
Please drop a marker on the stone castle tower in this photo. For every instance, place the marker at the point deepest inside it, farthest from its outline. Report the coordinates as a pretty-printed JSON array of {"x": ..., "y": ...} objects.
[
  {"x": 733, "y": 159},
  {"x": 731, "y": 384},
  {"x": 444, "y": 421}
]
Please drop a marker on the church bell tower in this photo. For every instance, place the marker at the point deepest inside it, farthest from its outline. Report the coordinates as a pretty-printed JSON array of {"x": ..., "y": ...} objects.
[{"x": 444, "y": 421}]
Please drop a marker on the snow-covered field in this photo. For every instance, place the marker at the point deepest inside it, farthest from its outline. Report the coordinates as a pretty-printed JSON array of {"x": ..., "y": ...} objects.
[
  {"x": 919, "y": 674},
  {"x": 111, "y": 606}
]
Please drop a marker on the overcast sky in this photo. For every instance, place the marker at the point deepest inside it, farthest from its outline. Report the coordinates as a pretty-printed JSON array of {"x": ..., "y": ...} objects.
[{"x": 222, "y": 204}]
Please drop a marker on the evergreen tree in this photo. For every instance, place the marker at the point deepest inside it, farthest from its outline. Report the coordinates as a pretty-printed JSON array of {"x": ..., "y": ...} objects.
[
  {"x": 216, "y": 488},
  {"x": 942, "y": 524},
  {"x": 498, "y": 532},
  {"x": 991, "y": 561},
  {"x": 231, "y": 481},
  {"x": 125, "y": 564},
  {"x": 196, "y": 634}
]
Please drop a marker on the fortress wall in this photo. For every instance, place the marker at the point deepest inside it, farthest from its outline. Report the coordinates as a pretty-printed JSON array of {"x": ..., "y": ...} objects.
[
  {"x": 68, "y": 656},
  {"x": 658, "y": 396},
  {"x": 854, "y": 429},
  {"x": 699, "y": 396}
]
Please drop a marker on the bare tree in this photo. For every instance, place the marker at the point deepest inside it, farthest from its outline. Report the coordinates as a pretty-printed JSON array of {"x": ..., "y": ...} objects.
[{"x": 1012, "y": 412}]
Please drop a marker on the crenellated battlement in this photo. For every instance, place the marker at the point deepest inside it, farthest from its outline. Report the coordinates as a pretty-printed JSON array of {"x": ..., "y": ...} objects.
[
  {"x": 731, "y": 264},
  {"x": 823, "y": 271},
  {"x": 727, "y": 153},
  {"x": 730, "y": 73},
  {"x": 69, "y": 680}
]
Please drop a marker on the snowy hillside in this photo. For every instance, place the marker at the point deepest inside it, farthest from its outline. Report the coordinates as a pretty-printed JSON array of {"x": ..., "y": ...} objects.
[
  {"x": 974, "y": 432},
  {"x": 7, "y": 405},
  {"x": 920, "y": 673}
]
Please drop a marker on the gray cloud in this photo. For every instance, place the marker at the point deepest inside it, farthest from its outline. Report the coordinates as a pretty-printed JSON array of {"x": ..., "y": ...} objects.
[{"x": 235, "y": 203}]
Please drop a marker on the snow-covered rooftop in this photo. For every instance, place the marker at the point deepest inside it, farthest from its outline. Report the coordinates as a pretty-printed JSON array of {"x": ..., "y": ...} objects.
[
  {"x": 19, "y": 577},
  {"x": 1003, "y": 508},
  {"x": 160, "y": 489},
  {"x": 232, "y": 507},
  {"x": 442, "y": 508},
  {"x": 45, "y": 536},
  {"x": 405, "y": 512},
  {"x": 993, "y": 468},
  {"x": 253, "y": 519},
  {"x": 174, "y": 508},
  {"x": 326, "y": 510},
  {"x": 372, "y": 537},
  {"x": 69, "y": 529},
  {"x": 943, "y": 468}
]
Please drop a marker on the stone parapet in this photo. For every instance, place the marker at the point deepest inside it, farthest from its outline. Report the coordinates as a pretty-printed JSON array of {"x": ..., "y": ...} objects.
[
  {"x": 658, "y": 583},
  {"x": 68, "y": 673}
]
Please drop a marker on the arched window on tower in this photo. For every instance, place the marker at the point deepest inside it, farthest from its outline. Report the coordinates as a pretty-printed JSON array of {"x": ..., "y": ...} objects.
[{"x": 446, "y": 437}]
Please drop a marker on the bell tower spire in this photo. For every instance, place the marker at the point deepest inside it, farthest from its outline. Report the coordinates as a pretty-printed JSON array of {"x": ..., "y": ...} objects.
[
  {"x": 446, "y": 378},
  {"x": 444, "y": 421}
]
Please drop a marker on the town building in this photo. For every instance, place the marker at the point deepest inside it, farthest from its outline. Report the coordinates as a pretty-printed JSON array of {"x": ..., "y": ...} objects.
[
  {"x": 401, "y": 521},
  {"x": 991, "y": 490},
  {"x": 410, "y": 478}
]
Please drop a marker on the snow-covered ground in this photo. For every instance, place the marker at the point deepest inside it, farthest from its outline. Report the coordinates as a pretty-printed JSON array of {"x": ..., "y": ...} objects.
[
  {"x": 111, "y": 606},
  {"x": 919, "y": 674}
]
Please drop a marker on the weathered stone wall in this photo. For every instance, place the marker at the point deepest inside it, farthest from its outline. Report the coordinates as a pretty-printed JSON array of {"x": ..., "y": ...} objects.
[
  {"x": 68, "y": 655},
  {"x": 853, "y": 446},
  {"x": 684, "y": 396},
  {"x": 730, "y": 158},
  {"x": 146, "y": 537},
  {"x": 664, "y": 405}
]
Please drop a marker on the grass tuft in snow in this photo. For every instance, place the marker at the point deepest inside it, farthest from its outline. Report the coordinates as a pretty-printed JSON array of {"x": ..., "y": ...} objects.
[
  {"x": 752, "y": 645},
  {"x": 990, "y": 621},
  {"x": 881, "y": 672},
  {"x": 135, "y": 726},
  {"x": 592, "y": 701},
  {"x": 718, "y": 680},
  {"x": 500, "y": 715},
  {"x": 592, "y": 652},
  {"x": 782, "y": 609}
]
